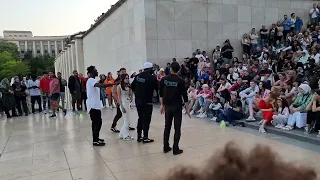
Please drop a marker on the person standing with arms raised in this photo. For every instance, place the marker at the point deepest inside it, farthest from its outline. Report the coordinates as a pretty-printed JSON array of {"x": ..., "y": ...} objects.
[
  {"x": 94, "y": 104},
  {"x": 172, "y": 87},
  {"x": 143, "y": 86}
]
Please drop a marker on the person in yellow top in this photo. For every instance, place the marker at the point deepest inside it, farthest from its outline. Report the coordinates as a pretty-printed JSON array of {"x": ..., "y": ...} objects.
[{"x": 109, "y": 80}]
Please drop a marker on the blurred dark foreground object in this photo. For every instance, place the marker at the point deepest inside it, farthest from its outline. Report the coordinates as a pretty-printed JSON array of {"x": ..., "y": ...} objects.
[{"x": 233, "y": 164}]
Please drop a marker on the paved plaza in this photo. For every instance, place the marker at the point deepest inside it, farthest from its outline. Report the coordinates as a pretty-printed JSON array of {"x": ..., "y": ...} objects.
[{"x": 39, "y": 148}]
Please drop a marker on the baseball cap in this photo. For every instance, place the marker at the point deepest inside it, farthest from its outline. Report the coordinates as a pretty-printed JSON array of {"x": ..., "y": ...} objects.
[{"x": 147, "y": 65}]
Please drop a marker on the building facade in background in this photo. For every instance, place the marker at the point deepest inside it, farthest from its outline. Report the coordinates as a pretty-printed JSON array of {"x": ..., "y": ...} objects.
[
  {"x": 132, "y": 32},
  {"x": 37, "y": 45}
]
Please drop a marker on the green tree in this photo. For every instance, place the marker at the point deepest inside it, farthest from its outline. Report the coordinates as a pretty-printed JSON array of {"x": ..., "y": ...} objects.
[
  {"x": 13, "y": 68},
  {"x": 10, "y": 64},
  {"x": 9, "y": 47},
  {"x": 41, "y": 64}
]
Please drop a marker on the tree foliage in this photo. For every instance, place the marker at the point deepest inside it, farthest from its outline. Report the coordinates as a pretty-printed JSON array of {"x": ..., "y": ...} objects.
[
  {"x": 40, "y": 64},
  {"x": 9, "y": 47},
  {"x": 10, "y": 64}
]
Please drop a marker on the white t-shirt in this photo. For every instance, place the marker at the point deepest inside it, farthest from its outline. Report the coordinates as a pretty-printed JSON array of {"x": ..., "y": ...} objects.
[
  {"x": 34, "y": 91},
  {"x": 93, "y": 95},
  {"x": 314, "y": 12}
]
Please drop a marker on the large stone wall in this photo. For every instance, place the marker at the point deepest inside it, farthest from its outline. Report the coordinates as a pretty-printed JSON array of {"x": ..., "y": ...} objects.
[
  {"x": 176, "y": 28},
  {"x": 119, "y": 41},
  {"x": 137, "y": 31}
]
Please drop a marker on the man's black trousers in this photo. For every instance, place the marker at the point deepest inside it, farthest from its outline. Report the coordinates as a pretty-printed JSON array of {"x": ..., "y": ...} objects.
[
  {"x": 172, "y": 113},
  {"x": 117, "y": 117},
  {"x": 96, "y": 119},
  {"x": 145, "y": 113}
]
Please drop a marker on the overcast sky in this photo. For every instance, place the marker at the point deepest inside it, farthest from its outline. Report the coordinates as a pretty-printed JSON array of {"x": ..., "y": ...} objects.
[{"x": 51, "y": 17}]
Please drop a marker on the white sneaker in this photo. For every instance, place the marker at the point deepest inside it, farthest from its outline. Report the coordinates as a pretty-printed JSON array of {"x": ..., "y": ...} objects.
[
  {"x": 250, "y": 119},
  {"x": 214, "y": 119},
  {"x": 111, "y": 107},
  {"x": 280, "y": 126},
  {"x": 183, "y": 111},
  {"x": 192, "y": 112},
  {"x": 199, "y": 115},
  {"x": 204, "y": 115}
]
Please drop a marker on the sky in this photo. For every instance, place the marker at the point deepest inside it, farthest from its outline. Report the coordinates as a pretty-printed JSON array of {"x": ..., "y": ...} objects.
[{"x": 51, "y": 17}]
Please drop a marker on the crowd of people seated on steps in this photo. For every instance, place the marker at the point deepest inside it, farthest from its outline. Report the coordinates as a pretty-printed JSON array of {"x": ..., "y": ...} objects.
[{"x": 276, "y": 79}]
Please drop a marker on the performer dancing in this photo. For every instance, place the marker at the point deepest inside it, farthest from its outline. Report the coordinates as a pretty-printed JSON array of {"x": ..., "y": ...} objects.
[
  {"x": 172, "y": 87},
  {"x": 143, "y": 87}
]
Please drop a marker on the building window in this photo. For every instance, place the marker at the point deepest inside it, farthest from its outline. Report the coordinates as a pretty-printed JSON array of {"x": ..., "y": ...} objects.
[
  {"x": 53, "y": 52},
  {"x": 46, "y": 51},
  {"x": 25, "y": 35},
  {"x": 38, "y": 51},
  {"x": 60, "y": 51},
  {"x": 22, "y": 52}
]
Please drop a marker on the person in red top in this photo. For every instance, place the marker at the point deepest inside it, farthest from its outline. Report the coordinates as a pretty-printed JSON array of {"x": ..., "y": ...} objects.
[
  {"x": 44, "y": 87},
  {"x": 54, "y": 93},
  {"x": 84, "y": 81}
]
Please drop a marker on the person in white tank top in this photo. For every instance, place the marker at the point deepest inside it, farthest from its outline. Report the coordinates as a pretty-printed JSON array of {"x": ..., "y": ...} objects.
[{"x": 125, "y": 95}]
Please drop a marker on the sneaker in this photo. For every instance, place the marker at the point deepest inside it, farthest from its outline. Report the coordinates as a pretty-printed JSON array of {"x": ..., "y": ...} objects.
[
  {"x": 147, "y": 140},
  {"x": 318, "y": 134},
  {"x": 192, "y": 112},
  {"x": 250, "y": 119},
  {"x": 131, "y": 129},
  {"x": 280, "y": 126},
  {"x": 199, "y": 115},
  {"x": 139, "y": 139},
  {"x": 274, "y": 123},
  {"x": 101, "y": 140},
  {"x": 115, "y": 130},
  {"x": 203, "y": 115},
  {"x": 166, "y": 150},
  {"x": 177, "y": 152},
  {"x": 214, "y": 119},
  {"x": 53, "y": 116},
  {"x": 111, "y": 107},
  {"x": 99, "y": 143},
  {"x": 200, "y": 111},
  {"x": 128, "y": 138},
  {"x": 183, "y": 111}
]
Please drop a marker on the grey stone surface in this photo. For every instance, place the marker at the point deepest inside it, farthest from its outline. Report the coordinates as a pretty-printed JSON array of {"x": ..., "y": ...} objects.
[
  {"x": 165, "y": 29},
  {"x": 214, "y": 13},
  {"x": 215, "y": 30},
  {"x": 199, "y": 12},
  {"x": 182, "y": 11},
  {"x": 200, "y": 31},
  {"x": 166, "y": 49},
  {"x": 230, "y": 13},
  {"x": 229, "y": 30},
  {"x": 151, "y": 9},
  {"x": 271, "y": 15},
  {"x": 152, "y": 49},
  {"x": 244, "y": 14},
  {"x": 151, "y": 29},
  {"x": 165, "y": 10},
  {"x": 258, "y": 15},
  {"x": 183, "y": 46},
  {"x": 183, "y": 30}
]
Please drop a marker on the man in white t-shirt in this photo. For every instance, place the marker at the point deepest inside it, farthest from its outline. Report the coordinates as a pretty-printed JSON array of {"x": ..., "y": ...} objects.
[
  {"x": 314, "y": 14},
  {"x": 34, "y": 89},
  {"x": 94, "y": 104}
]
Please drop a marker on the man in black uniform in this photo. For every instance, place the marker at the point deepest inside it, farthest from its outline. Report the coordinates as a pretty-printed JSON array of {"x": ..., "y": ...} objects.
[
  {"x": 172, "y": 87},
  {"x": 116, "y": 100},
  {"x": 143, "y": 87}
]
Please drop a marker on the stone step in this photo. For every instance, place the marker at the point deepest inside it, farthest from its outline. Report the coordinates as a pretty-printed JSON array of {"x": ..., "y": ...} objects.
[{"x": 297, "y": 134}]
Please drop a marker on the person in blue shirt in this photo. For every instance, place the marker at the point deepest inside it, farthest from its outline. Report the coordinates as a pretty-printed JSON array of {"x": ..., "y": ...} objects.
[
  {"x": 298, "y": 25},
  {"x": 204, "y": 75},
  {"x": 286, "y": 23}
]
